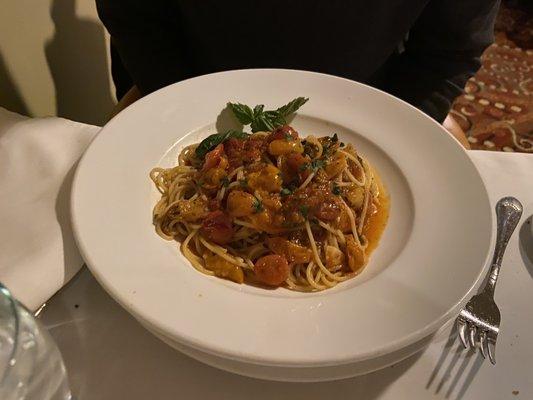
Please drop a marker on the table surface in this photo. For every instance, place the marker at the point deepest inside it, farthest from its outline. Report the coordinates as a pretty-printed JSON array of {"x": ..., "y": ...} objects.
[{"x": 109, "y": 355}]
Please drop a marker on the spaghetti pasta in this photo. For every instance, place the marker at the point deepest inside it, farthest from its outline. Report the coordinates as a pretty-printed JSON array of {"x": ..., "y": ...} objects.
[{"x": 272, "y": 209}]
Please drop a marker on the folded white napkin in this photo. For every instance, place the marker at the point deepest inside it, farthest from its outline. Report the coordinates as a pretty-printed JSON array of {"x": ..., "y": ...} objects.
[
  {"x": 38, "y": 254},
  {"x": 37, "y": 158}
]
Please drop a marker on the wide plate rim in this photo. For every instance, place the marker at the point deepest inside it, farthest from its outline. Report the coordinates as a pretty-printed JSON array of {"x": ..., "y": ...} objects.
[{"x": 250, "y": 357}]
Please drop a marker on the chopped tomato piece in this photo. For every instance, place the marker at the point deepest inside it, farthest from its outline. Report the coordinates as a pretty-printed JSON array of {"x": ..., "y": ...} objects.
[
  {"x": 224, "y": 269},
  {"x": 268, "y": 179},
  {"x": 190, "y": 210},
  {"x": 240, "y": 203},
  {"x": 356, "y": 255},
  {"x": 244, "y": 151},
  {"x": 217, "y": 227},
  {"x": 334, "y": 256},
  {"x": 344, "y": 222},
  {"x": 234, "y": 149},
  {"x": 329, "y": 210},
  {"x": 295, "y": 164},
  {"x": 272, "y": 270},
  {"x": 281, "y": 147},
  {"x": 291, "y": 251},
  {"x": 213, "y": 158},
  {"x": 212, "y": 178},
  {"x": 335, "y": 165},
  {"x": 355, "y": 196},
  {"x": 214, "y": 204},
  {"x": 283, "y": 132},
  {"x": 253, "y": 149}
]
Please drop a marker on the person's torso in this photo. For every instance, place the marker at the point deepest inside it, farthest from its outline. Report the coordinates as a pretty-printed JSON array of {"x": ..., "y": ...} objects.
[{"x": 346, "y": 38}]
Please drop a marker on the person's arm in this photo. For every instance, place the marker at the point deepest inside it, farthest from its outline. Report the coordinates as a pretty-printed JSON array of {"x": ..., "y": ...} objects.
[
  {"x": 130, "y": 97},
  {"x": 146, "y": 35},
  {"x": 457, "y": 132},
  {"x": 442, "y": 51}
]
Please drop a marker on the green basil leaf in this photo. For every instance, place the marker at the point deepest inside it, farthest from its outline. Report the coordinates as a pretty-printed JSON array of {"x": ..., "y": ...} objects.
[
  {"x": 212, "y": 141},
  {"x": 261, "y": 120},
  {"x": 258, "y": 110},
  {"x": 262, "y": 123},
  {"x": 292, "y": 106},
  {"x": 276, "y": 118},
  {"x": 244, "y": 114}
]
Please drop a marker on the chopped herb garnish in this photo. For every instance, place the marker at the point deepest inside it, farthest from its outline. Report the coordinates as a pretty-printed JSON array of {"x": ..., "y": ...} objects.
[
  {"x": 304, "y": 210},
  {"x": 243, "y": 182},
  {"x": 293, "y": 185},
  {"x": 288, "y": 137},
  {"x": 342, "y": 144},
  {"x": 258, "y": 205},
  {"x": 309, "y": 149},
  {"x": 336, "y": 190},
  {"x": 303, "y": 167},
  {"x": 285, "y": 192},
  {"x": 329, "y": 145},
  {"x": 225, "y": 181},
  {"x": 289, "y": 224},
  {"x": 317, "y": 164}
]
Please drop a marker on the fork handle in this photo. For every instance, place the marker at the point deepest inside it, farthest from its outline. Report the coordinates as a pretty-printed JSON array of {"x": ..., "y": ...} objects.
[{"x": 508, "y": 213}]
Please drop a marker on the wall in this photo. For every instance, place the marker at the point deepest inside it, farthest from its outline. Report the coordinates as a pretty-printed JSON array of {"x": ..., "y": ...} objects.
[{"x": 54, "y": 60}]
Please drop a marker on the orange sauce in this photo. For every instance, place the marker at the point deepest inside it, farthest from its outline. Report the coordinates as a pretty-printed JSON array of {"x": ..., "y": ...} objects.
[{"x": 375, "y": 224}]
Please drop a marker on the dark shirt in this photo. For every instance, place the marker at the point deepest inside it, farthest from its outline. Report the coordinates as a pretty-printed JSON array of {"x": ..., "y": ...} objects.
[{"x": 422, "y": 51}]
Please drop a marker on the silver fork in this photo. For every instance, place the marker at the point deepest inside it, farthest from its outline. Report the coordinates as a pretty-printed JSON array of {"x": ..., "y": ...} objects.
[{"x": 479, "y": 322}]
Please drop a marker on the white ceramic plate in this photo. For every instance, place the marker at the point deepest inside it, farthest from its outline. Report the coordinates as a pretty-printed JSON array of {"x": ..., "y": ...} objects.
[
  {"x": 430, "y": 257},
  {"x": 301, "y": 374}
]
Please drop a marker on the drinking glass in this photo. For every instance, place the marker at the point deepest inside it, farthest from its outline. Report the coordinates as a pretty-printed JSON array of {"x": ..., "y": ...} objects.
[{"x": 31, "y": 366}]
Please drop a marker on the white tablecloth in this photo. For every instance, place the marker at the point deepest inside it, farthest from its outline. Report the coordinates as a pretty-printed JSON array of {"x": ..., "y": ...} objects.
[{"x": 110, "y": 356}]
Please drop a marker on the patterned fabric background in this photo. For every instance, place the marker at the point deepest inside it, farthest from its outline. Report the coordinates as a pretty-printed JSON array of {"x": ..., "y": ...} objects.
[{"x": 496, "y": 110}]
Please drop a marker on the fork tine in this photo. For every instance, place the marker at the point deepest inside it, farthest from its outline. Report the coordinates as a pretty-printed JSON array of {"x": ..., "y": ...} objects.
[
  {"x": 491, "y": 346},
  {"x": 461, "y": 327},
  {"x": 483, "y": 343},
  {"x": 472, "y": 335}
]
